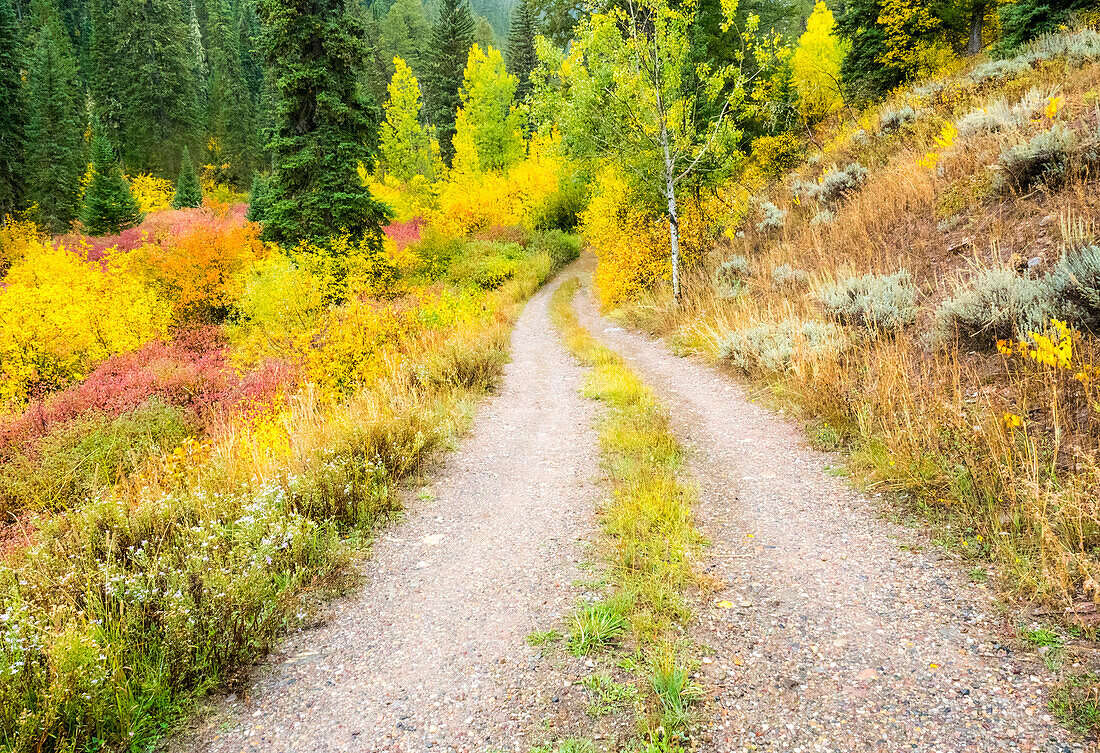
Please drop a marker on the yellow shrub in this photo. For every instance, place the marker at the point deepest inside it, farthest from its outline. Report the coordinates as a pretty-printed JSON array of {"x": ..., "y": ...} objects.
[
  {"x": 633, "y": 249},
  {"x": 16, "y": 236},
  {"x": 417, "y": 198},
  {"x": 61, "y": 315},
  {"x": 151, "y": 193}
]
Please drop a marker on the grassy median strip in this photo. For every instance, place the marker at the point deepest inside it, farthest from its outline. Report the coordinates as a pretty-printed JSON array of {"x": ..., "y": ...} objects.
[{"x": 650, "y": 537}]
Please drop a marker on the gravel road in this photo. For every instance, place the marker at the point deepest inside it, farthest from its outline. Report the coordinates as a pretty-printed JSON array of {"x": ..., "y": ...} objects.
[
  {"x": 836, "y": 630},
  {"x": 832, "y": 629},
  {"x": 430, "y": 654}
]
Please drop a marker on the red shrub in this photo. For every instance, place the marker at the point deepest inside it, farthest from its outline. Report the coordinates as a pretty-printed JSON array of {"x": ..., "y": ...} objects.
[
  {"x": 192, "y": 371},
  {"x": 404, "y": 234}
]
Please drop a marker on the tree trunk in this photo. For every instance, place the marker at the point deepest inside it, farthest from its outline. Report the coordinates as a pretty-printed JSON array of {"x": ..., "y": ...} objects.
[
  {"x": 673, "y": 220},
  {"x": 674, "y": 235},
  {"x": 977, "y": 20}
]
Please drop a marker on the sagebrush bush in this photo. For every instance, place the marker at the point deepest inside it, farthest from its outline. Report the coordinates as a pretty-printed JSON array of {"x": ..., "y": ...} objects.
[
  {"x": 833, "y": 185},
  {"x": 995, "y": 117},
  {"x": 997, "y": 70},
  {"x": 731, "y": 274},
  {"x": 884, "y": 303},
  {"x": 996, "y": 304},
  {"x": 786, "y": 276},
  {"x": 824, "y": 217},
  {"x": 1042, "y": 159},
  {"x": 772, "y": 217},
  {"x": 1073, "y": 288},
  {"x": 773, "y": 347},
  {"x": 895, "y": 119}
]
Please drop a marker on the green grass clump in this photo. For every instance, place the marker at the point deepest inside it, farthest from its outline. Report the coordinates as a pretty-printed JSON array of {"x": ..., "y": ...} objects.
[{"x": 597, "y": 625}]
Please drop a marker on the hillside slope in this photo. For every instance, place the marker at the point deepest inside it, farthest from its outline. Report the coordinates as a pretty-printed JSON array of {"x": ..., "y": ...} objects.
[{"x": 924, "y": 290}]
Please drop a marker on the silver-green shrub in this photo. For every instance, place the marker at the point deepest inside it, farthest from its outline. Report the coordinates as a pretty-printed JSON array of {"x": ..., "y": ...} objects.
[
  {"x": 884, "y": 303},
  {"x": 772, "y": 217},
  {"x": 833, "y": 186},
  {"x": 1073, "y": 288},
  {"x": 1041, "y": 159},
  {"x": 895, "y": 119},
  {"x": 786, "y": 276},
  {"x": 772, "y": 347},
  {"x": 997, "y": 304}
]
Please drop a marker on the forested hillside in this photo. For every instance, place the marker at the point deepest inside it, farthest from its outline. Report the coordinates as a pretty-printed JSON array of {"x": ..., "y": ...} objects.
[{"x": 261, "y": 260}]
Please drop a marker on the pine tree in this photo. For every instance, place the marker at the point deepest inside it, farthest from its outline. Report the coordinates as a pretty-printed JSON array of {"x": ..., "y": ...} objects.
[
  {"x": 406, "y": 33},
  {"x": 55, "y": 159},
  {"x": 101, "y": 66},
  {"x": 158, "y": 85},
  {"x": 108, "y": 205},
  {"x": 188, "y": 190},
  {"x": 452, "y": 36},
  {"x": 232, "y": 114},
  {"x": 12, "y": 112},
  {"x": 521, "y": 47},
  {"x": 323, "y": 128}
]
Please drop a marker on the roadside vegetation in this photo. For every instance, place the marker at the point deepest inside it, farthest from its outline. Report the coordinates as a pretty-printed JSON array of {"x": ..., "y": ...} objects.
[{"x": 650, "y": 544}]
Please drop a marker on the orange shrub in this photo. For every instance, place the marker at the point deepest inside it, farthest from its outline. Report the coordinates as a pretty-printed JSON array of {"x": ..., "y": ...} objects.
[{"x": 201, "y": 270}]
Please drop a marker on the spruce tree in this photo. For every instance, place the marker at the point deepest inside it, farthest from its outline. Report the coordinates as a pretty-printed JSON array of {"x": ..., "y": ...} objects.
[
  {"x": 188, "y": 190},
  {"x": 232, "y": 114},
  {"x": 521, "y": 46},
  {"x": 13, "y": 122},
  {"x": 55, "y": 158},
  {"x": 108, "y": 205},
  {"x": 101, "y": 66},
  {"x": 452, "y": 36},
  {"x": 158, "y": 84},
  {"x": 322, "y": 128}
]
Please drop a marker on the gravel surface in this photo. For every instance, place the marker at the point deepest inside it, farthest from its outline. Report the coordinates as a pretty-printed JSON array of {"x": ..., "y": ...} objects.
[
  {"x": 834, "y": 629},
  {"x": 430, "y": 654}
]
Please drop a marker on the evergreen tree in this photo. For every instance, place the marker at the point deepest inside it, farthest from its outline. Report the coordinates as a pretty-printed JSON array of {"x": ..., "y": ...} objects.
[
  {"x": 232, "y": 114},
  {"x": 100, "y": 66},
  {"x": 322, "y": 127},
  {"x": 158, "y": 86},
  {"x": 108, "y": 205},
  {"x": 188, "y": 190},
  {"x": 452, "y": 36},
  {"x": 55, "y": 159},
  {"x": 521, "y": 46},
  {"x": 12, "y": 112},
  {"x": 405, "y": 33}
]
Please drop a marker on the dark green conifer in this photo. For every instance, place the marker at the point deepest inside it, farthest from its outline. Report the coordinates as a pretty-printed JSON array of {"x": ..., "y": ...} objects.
[
  {"x": 322, "y": 126},
  {"x": 55, "y": 128},
  {"x": 521, "y": 46},
  {"x": 452, "y": 36},
  {"x": 108, "y": 205},
  {"x": 13, "y": 113},
  {"x": 158, "y": 85},
  {"x": 232, "y": 113},
  {"x": 188, "y": 190}
]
